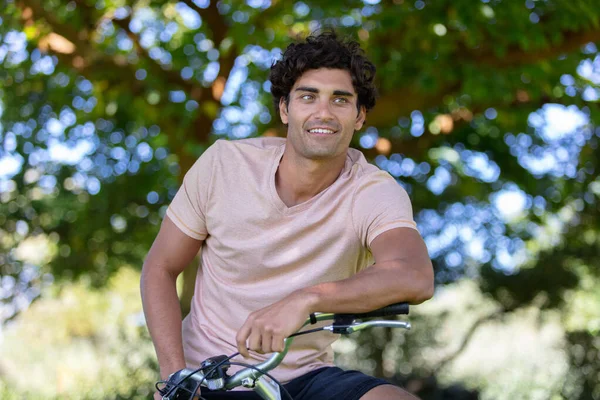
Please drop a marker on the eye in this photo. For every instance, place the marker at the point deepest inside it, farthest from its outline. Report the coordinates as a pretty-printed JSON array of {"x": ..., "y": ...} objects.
[
  {"x": 307, "y": 97},
  {"x": 341, "y": 100}
]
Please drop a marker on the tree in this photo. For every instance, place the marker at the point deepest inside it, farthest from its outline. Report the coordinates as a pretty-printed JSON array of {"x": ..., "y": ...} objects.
[{"x": 105, "y": 105}]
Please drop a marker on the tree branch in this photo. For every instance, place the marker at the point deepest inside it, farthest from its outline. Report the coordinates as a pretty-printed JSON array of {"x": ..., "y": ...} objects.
[
  {"x": 417, "y": 148},
  {"x": 78, "y": 38},
  {"x": 172, "y": 77},
  {"x": 515, "y": 56},
  {"x": 217, "y": 25},
  {"x": 212, "y": 18},
  {"x": 404, "y": 100},
  {"x": 467, "y": 339},
  {"x": 84, "y": 56},
  {"x": 401, "y": 102}
]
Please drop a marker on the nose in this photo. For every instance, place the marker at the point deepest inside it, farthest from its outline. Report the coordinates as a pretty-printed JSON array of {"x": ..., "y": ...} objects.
[{"x": 323, "y": 111}]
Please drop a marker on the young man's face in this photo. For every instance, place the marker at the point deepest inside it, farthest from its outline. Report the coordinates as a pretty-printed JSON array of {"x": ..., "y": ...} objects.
[{"x": 322, "y": 114}]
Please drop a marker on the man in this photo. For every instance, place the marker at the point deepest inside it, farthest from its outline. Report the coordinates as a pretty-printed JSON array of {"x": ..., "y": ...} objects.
[{"x": 288, "y": 228}]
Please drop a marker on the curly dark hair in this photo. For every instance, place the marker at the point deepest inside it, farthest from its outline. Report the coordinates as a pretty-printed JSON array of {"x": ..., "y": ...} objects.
[{"x": 324, "y": 50}]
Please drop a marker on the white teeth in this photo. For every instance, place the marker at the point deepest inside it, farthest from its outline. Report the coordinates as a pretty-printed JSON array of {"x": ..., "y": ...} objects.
[{"x": 317, "y": 130}]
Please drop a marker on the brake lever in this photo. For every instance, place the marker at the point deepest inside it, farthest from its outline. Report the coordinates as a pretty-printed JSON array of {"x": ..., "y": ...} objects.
[
  {"x": 347, "y": 329},
  {"x": 177, "y": 383}
]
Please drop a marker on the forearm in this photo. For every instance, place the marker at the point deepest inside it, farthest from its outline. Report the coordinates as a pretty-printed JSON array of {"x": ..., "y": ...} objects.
[
  {"x": 163, "y": 317},
  {"x": 375, "y": 287}
]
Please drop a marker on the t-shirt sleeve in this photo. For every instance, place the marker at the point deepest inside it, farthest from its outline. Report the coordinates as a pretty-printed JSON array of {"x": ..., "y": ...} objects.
[
  {"x": 380, "y": 204},
  {"x": 188, "y": 208}
]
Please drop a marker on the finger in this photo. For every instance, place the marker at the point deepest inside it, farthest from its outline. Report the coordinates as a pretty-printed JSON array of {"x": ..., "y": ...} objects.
[
  {"x": 241, "y": 340},
  {"x": 267, "y": 339},
  {"x": 255, "y": 341},
  {"x": 277, "y": 343}
]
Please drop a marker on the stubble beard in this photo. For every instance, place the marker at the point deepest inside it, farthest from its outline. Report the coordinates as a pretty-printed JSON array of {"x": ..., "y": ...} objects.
[{"x": 309, "y": 148}]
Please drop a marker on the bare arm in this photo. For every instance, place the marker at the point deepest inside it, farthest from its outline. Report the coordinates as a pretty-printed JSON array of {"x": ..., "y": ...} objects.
[
  {"x": 170, "y": 253},
  {"x": 402, "y": 272}
]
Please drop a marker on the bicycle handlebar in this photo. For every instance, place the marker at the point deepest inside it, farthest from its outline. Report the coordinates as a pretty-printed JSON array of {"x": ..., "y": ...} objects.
[
  {"x": 247, "y": 376},
  {"x": 393, "y": 309}
]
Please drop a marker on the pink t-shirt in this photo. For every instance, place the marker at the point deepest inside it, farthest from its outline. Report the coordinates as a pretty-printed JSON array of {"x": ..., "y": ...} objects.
[{"x": 257, "y": 250}]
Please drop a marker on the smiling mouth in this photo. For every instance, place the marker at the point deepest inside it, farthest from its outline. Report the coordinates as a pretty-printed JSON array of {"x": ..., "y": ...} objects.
[{"x": 322, "y": 131}]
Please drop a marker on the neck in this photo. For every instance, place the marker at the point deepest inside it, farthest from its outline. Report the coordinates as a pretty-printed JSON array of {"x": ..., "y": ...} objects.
[{"x": 299, "y": 179}]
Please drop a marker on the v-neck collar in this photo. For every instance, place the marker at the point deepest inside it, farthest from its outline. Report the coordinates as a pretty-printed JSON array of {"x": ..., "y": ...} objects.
[{"x": 278, "y": 203}]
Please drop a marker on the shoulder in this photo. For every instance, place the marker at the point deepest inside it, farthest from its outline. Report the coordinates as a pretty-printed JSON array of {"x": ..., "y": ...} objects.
[
  {"x": 371, "y": 185},
  {"x": 360, "y": 164},
  {"x": 366, "y": 174},
  {"x": 224, "y": 149},
  {"x": 379, "y": 201}
]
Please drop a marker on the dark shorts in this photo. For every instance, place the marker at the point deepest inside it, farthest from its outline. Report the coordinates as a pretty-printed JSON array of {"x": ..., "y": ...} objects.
[{"x": 328, "y": 383}]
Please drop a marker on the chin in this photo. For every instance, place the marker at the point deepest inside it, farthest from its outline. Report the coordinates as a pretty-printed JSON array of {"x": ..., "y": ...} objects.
[{"x": 321, "y": 155}]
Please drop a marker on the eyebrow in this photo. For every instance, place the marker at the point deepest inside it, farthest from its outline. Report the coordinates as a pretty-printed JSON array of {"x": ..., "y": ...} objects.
[{"x": 315, "y": 90}]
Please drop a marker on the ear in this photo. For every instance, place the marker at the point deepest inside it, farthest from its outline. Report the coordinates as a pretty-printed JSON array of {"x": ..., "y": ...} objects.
[
  {"x": 283, "y": 110},
  {"x": 360, "y": 118}
]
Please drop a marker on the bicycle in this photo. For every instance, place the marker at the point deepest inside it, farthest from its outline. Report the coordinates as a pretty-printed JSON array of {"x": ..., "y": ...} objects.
[{"x": 212, "y": 373}]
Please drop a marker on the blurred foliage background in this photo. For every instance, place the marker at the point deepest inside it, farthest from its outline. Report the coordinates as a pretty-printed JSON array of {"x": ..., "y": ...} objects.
[{"x": 487, "y": 116}]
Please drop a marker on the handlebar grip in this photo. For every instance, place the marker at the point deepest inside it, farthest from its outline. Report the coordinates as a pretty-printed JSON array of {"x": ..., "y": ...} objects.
[{"x": 393, "y": 309}]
